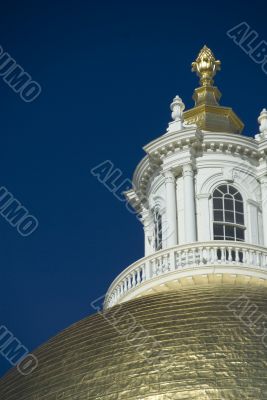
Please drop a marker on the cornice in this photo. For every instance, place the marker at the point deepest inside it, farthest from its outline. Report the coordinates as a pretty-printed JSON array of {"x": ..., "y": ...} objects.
[
  {"x": 231, "y": 143},
  {"x": 163, "y": 151},
  {"x": 171, "y": 141}
]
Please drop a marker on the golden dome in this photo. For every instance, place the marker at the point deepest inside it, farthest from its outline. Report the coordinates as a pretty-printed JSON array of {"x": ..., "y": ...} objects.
[{"x": 184, "y": 344}]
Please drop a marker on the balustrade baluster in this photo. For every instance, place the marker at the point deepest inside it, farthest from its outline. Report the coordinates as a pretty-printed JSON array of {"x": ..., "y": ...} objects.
[
  {"x": 222, "y": 248},
  {"x": 207, "y": 255},
  {"x": 134, "y": 275},
  {"x": 201, "y": 256},
  {"x": 171, "y": 260},
  {"x": 215, "y": 253},
  {"x": 230, "y": 256},
  {"x": 258, "y": 258},
  {"x": 250, "y": 257},
  {"x": 167, "y": 262},
  {"x": 129, "y": 282},
  {"x": 179, "y": 259},
  {"x": 162, "y": 265},
  {"x": 194, "y": 257},
  {"x": 138, "y": 275},
  {"x": 143, "y": 271},
  {"x": 212, "y": 255},
  {"x": 245, "y": 255},
  {"x": 237, "y": 254},
  {"x": 154, "y": 268},
  {"x": 186, "y": 253}
]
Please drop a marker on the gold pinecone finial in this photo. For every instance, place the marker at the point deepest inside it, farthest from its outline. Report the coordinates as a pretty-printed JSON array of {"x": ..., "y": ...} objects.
[
  {"x": 208, "y": 114},
  {"x": 206, "y": 66}
]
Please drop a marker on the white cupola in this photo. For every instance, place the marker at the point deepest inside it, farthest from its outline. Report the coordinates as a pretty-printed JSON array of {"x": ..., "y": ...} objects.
[{"x": 201, "y": 191}]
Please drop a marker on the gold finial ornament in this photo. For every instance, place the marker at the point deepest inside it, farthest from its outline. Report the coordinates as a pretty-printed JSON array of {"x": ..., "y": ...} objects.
[
  {"x": 207, "y": 113},
  {"x": 206, "y": 66}
]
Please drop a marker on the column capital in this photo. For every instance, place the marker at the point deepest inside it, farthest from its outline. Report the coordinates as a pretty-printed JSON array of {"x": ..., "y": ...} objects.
[
  {"x": 187, "y": 169},
  {"x": 253, "y": 203},
  {"x": 203, "y": 196},
  {"x": 169, "y": 176}
]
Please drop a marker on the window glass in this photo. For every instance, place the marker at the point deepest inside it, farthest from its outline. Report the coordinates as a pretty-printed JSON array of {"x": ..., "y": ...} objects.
[
  {"x": 228, "y": 214},
  {"x": 239, "y": 206},
  {"x": 238, "y": 197},
  {"x": 217, "y": 193},
  {"x": 240, "y": 234},
  {"x": 232, "y": 190},
  {"x": 229, "y": 204},
  {"x": 217, "y": 204},
  {"x": 240, "y": 219},
  {"x": 223, "y": 189},
  {"x": 218, "y": 215}
]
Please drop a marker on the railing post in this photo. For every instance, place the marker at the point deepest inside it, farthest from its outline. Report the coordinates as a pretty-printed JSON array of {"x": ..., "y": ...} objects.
[
  {"x": 172, "y": 260},
  {"x": 258, "y": 258},
  {"x": 147, "y": 270},
  {"x": 230, "y": 258},
  {"x": 216, "y": 255},
  {"x": 201, "y": 256},
  {"x": 194, "y": 256}
]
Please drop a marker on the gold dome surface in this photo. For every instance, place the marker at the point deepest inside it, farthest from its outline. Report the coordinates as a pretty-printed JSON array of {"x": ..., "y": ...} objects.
[{"x": 184, "y": 344}]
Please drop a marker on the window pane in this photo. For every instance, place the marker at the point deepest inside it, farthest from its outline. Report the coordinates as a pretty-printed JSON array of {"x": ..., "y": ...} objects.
[
  {"x": 239, "y": 206},
  {"x": 218, "y": 215},
  {"x": 240, "y": 219},
  {"x": 240, "y": 234},
  {"x": 232, "y": 190},
  {"x": 229, "y": 216},
  {"x": 229, "y": 232},
  {"x": 229, "y": 204},
  {"x": 223, "y": 188},
  {"x": 217, "y": 204},
  {"x": 218, "y": 229},
  {"x": 238, "y": 196},
  {"x": 217, "y": 193}
]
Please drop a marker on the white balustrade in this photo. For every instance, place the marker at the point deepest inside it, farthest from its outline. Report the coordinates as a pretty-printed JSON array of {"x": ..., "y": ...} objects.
[{"x": 185, "y": 257}]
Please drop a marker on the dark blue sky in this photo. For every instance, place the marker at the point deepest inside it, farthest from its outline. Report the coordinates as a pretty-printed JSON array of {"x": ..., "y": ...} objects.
[{"x": 108, "y": 71}]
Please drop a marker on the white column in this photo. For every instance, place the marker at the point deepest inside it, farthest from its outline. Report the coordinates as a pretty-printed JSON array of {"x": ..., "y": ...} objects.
[
  {"x": 253, "y": 233},
  {"x": 171, "y": 209},
  {"x": 264, "y": 207},
  {"x": 189, "y": 204},
  {"x": 204, "y": 220}
]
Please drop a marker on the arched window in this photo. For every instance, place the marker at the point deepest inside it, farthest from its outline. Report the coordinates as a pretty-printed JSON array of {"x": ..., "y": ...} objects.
[
  {"x": 158, "y": 230},
  {"x": 228, "y": 214}
]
